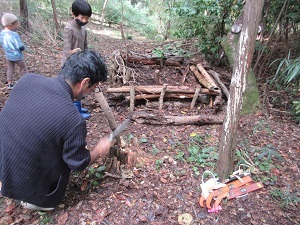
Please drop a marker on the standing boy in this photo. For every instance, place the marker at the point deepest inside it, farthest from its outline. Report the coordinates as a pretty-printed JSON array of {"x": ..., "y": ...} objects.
[
  {"x": 75, "y": 37},
  {"x": 13, "y": 46}
]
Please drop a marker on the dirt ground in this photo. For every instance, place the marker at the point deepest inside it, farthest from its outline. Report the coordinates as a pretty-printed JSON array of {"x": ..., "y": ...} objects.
[{"x": 159, "y": 185}]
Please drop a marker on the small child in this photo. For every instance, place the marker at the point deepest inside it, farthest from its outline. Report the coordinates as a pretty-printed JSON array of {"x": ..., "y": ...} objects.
[
  {"x": 75, "y": 37},
  {"x": 13, "y": 46}
]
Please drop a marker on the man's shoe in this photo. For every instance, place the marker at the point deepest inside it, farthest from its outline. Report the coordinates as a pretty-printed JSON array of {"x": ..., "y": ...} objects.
[
  {"x": 35, "y": 207},
  {"x": 10, "y": 86}
]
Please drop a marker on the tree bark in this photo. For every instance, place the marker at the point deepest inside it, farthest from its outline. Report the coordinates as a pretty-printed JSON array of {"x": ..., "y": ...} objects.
[
  {"x": 242, "y": 65},
  {"x": 122, "y": 21},
  {"x": 24, "y": 15},
  {"x": 103, "y": 13}
]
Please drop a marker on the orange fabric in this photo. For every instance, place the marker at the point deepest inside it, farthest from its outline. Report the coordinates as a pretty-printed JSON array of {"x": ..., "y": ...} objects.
[{"x": 223, "y": 192}]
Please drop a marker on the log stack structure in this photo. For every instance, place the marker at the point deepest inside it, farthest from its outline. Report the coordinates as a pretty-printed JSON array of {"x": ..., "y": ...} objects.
[{"x": 208, "y": 85}]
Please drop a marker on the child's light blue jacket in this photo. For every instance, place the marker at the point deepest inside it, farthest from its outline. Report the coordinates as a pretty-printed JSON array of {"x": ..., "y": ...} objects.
[{"x": 12, "y": 45}]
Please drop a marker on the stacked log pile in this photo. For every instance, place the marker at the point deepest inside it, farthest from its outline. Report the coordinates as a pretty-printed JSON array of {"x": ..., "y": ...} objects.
[{"x": 208, "y": 85}]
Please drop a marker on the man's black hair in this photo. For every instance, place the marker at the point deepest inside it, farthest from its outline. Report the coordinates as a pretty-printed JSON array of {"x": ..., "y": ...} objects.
[
  {"x": 81, "y": 7},
  {"x": 84, "y": 64}
]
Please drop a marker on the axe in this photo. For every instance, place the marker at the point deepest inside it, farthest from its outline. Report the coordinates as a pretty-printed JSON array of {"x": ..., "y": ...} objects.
[{"x": 119, "y": 129}]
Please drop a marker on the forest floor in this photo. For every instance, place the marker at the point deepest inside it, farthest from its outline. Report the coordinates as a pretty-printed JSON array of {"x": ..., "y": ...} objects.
[{"x": 163, "y": 184}]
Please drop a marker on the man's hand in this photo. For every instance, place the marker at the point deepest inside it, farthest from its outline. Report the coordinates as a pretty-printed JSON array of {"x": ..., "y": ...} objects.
[{"x": 101, "y": 149}]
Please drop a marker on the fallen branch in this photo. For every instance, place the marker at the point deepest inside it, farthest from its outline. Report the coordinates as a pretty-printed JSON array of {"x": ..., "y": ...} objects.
[
  {"x": 111, "y": 175},
  {"x": 216, "y": 76},
  {"x": 186, "y": 70}
]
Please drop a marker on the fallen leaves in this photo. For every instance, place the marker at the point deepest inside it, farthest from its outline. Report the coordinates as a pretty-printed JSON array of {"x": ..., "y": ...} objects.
[
  {"x": 62, "y": 219},
  {"x": 10, "y": 208}
]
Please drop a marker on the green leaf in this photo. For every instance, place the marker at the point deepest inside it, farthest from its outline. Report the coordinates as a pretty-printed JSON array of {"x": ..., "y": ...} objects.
[
  {"x": 95, "y": 183},
  {"x": 143, "y": 140},
  {"x": 101, "y": 168},
  {"x": 98, "y": 175},
  {"x": 92, "y": 170}
]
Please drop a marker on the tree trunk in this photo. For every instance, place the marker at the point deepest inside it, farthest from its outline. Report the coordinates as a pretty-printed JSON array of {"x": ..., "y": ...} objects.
[
  {"x": 24, "y": 15},
  {"x": 122, "y": 22},
  {"x": 103, "y": 13},
  {"x": 251, "y": 101},
  {"x": 242, "y": 65},
  {"x": 55, "y": 16}
]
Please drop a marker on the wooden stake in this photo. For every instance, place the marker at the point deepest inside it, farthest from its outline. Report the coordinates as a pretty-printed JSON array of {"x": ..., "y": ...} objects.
[
  {"x": 162, "y": 95},
  {"x": 157, "y": 77},
  {"x": 195, "y": 97},
  {"x": 132, "y": 97}
]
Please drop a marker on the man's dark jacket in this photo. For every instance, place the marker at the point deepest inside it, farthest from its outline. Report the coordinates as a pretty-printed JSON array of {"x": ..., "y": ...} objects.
[{"x": 42, "y": 138}]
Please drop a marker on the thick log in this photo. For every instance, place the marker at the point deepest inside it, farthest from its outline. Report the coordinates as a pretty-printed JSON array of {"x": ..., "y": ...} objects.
[
  {"x": 203, "y": 79},
  {"x": 155, "y": 89},
  {"x": 108, "y": 113},
  {"x": 167, "y": 95},
  {"x": 151, "y": 61},
  {"x": 200, "y": 98},
  {"x": 169, "y": 105},
  {"x": 156, "y": 119},
  {"x": 216, "y": 76},
  {"x": 199, "y": 76}
]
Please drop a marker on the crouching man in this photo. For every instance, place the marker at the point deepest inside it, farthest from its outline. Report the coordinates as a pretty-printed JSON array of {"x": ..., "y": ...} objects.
[{"x": 39, "y": 146}]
